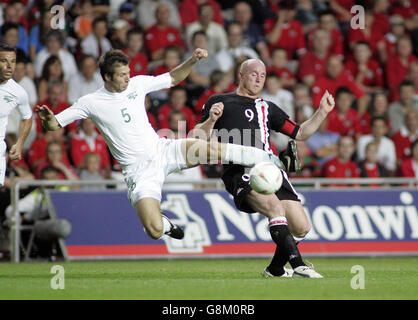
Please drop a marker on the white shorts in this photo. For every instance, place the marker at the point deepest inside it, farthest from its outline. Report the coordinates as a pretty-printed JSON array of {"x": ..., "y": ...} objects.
[
  {"x": 2, "y": 162},
  {"x": 145, "y": 179}
]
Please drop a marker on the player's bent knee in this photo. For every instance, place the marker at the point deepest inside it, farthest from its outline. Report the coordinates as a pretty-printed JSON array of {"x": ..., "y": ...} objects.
[
  {"x": 302, "y": 230},
  {"x": 154, "y": 231}
]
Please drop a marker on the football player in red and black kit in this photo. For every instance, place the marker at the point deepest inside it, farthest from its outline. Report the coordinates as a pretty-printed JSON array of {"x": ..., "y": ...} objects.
[{"x": 242, "y": 117}]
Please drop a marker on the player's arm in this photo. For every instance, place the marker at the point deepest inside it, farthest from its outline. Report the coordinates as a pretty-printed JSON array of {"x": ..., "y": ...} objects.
[
  {"x": 24, "y": 129},
  {"x": 203, "y": 130},
  {"x": 179, "y": 73},
  {"x": 49, "y": 122},
  {"x": 308, "y": 127}
]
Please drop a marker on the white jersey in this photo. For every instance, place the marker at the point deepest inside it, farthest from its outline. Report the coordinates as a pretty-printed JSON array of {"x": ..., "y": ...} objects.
[{"x": 121, "y": 118}]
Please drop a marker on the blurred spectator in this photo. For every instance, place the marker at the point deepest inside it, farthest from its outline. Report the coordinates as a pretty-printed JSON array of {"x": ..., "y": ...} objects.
[
  {"x": 87, "y": 79},
  {"x": 413, "y": 77},
  {"x": 342, "y": 166},
  {"x": 177, "y": 101},
  {"x": 252, "y": 34},
  {"x": 342, "y": 9},
  {"x": 236, "y": 52},
  {"x": 220, "y": 82},
  {"x": 161, "y": 35},
  {"x": 366, "y": 71},
  {"x": 126, "y": 12},
  {"x": 135, "y": 50},
  {"x": 397, "y": 30},
  {"x": 306, "y": 13},
  {"x": 83, "y": 24},
  {"x": 87, "y": 140},
  {"x": 286, "y": 32},
  {"x": 410, "y": 165},
  {"x": 54, "y": 158},
  {"x": 378, "y": 107},
  {"x": 405, "y": 136},
  {"x": 176, "y": 126},
  {"x": 370, "y": 167},
  {"x": 54, "y": 46},
  {"x": 20, "y": 76},
  {"x": 344, "y": 120},
  {"x": 323, "y": 143},
  {"x": 91, "y": 171},
  {"x": 51, "y": 72},
  {"x": 398, "y": 64},
  {"x": 386, "y": 154},
  {"x": 397, "y": 110},
  {"x": 217, "y": 38},
  {"x": 328, "y": 23},
  {"x": 336, "y": 77},
  {"x": 37, "y": 151},
  {"x": 96, "y": 43},
  {"x": 279, "y": 65},
  {"x": 190, "y": 11},
  {"x": 408, "y": 10},
  {"x": 119, "y": 33},
  {"x": 10, "y": 36},
  {"x": 11, "y": 14},
  {"x": 312, "y": 65},
  {"x": 146, "y": 13},
  {"x": 200, "y": 74},
  {"x": 37, "y": 35},
  {"x": 381, "y": 15},
  {"x": 303, "y": 102},
  {"x": 171, "y": 59}
]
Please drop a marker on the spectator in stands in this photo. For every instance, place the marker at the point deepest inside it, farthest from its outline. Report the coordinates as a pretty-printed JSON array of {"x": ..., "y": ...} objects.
[
  {"x": 410, "y": 166},
  {"x": 37, "y": 151},
  {"x": 408, "y": 10},
  {"x": 398, "y": 64},
  {"x": 397, "y": 30},
  {"x": 398, "y": 109},
  {"x": 328, "y": 23},
  {"x": 54, "y": 46},
  {"x": 171, "y": 59},
  {"x": 96, "y": 43},
  {"x": 10, "y": 36},
  {"x": 37, "y": 35},
  {"x": 413, "y": 77},
  {"x": 91, "y": 171},
  {"x": 236, "y": 52},
  {"x": 342, "y": 166},
  {"x": 286, "y": 32},
  {"x": 217, "y": 38},
  {"x": 88, "y": 140},
  {"x": 146, "y": 9},
  {"x": 303, "y": 102},
  {"x": 378, "y": 107},
  {"x": 252, "y": 34},
  {"x": 404, "y": 137},
  {"x": 343, "y": 119},
  {"x": 279, "y": 65},
  {"x": 177, "y": 101},
  {"x": 51, "y": 72},
  {"x": 11, "y": 14},
  {"x": 386, "y": 154},
  {"x": 87, "y": 79},
  {"x": 335, "y": 78},
  {"x": 54, "y": 158},
  {"x": 200, "y": 74},
  {"x": 370, "y": 167},
  {"x": 177, "y": 128},
  {"x": 20, "y": 76},
  {"x": 126, "y": 12},
  {"x": 118, "y": 34},
  {"x": 83, "y": 24},
  {"x": 323, "y": 143},
  {"x": 312, "y": 65},
  {"x": 135, "y": 50},
  {"x": 161, "y": 35},
  {"x": 381, "y": 15},
  {"x": 190, "y": 11},
  {"x": 366, "y": 71}
]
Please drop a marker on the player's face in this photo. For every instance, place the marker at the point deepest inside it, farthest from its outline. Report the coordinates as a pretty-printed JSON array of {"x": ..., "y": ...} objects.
[
  {"x": 253, "y": 78},
  {"x": 7, "y": 65},
  {"x": 120, "y": 79}
]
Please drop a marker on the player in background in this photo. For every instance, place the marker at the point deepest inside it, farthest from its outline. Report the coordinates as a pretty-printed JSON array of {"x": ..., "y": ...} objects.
[
  {"x": 118, "y": 110},
  {"x": 245, "y": 111},
  {"x": 12, "y": 95}
]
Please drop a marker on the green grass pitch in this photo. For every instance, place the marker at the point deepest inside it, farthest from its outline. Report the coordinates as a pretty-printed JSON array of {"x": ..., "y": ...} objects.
[{"x": 209, "y": 279}]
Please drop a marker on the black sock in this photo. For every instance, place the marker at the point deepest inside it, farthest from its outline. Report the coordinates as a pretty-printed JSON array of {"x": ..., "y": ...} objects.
[{"x": 286, "y": 248}]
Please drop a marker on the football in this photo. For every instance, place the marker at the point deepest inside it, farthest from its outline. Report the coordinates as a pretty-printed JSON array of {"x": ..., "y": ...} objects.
[{"x": 265, "y": 178}]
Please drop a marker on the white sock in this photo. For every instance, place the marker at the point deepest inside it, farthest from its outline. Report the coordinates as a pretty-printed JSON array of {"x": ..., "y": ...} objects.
[
  {"x": 166, "y": 225},
  {"x": 246, "y": 156}
]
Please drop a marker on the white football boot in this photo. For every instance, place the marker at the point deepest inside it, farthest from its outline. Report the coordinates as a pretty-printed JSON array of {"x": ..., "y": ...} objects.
[
  {"x": 306, "y": 272},
  {"x": 287, "y": 273}
]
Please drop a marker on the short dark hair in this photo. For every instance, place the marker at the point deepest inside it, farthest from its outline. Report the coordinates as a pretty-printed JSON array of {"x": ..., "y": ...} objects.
[
  {"x": 6, "y": 47},
  {"x": 110, "y": 60},
  {"x": 97, "y": 20},
  {"x": 342, "y": 90},
  {"x": 197, "y": 33},
  {"x": 406, "y": 83},
  {"x": 8, "y": 26},
  {"x": 134, "y": 30},
  {"x": 48, "y": 169},
  {"x": 377, "y": 118}
]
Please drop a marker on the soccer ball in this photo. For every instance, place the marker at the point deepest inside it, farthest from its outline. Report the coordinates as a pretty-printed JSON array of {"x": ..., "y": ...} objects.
[{"x": 265, "y": 178}]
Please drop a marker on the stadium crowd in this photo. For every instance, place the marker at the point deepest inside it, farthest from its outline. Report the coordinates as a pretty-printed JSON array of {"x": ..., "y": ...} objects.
[{"x": 308, "y": 46}]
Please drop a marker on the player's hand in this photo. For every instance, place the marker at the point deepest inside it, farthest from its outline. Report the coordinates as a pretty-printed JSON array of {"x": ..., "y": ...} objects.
[
  {"x": 216, "y": 111},
  {"x": 199, "y": 54},
  {"x": 15, "y": 152},
  {"x": 44, "y": 113},
  {"x": 327, "y": 102}
]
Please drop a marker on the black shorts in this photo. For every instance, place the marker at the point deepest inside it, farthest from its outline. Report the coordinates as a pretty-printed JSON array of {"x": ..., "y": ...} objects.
[{"x": 237, "y": 183}]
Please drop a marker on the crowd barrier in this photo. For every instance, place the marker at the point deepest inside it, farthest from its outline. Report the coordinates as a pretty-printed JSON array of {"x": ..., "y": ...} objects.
[{"x": 345, "y": 221}]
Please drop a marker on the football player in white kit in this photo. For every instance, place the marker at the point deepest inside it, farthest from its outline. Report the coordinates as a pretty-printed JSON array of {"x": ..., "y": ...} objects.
[
  {"x": 118, "y": 110},
  {"x": 12, "y": 95}
]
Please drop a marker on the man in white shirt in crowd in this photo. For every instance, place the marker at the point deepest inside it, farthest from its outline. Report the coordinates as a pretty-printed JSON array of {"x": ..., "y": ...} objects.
[
  {"x": 118, "y": 110},
  {"x": 96, "y": 42}
]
